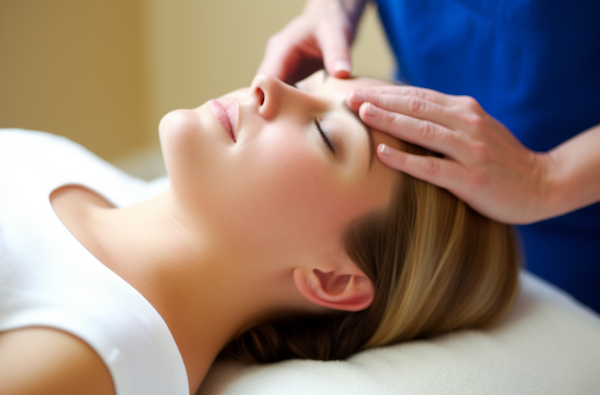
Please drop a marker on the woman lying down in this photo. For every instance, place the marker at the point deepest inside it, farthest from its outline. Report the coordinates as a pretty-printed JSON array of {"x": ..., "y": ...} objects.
[{"x": 281, "y": 236}]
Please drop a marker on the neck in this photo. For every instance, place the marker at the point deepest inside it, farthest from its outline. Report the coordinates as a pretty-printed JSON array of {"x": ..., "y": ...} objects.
[{"x": 205, "y": 293}]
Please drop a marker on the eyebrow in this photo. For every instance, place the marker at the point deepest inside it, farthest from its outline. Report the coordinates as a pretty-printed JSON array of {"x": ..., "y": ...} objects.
[{"x": 355, "y": 115}]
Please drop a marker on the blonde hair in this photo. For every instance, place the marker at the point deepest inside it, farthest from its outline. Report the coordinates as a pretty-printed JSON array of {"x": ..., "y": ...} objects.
[{"x": 436, "y": 264}]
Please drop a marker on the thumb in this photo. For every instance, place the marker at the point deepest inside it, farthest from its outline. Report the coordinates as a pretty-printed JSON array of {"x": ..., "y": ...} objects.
[{"x": 333, "y": 39}]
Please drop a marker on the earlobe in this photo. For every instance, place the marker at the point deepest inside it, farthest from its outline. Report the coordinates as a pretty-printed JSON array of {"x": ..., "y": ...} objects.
[{"x": 340, "y": 289}]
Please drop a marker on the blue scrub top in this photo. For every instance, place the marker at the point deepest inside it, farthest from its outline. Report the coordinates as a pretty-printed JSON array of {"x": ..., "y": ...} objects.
[{"x": 535, "y": 66}]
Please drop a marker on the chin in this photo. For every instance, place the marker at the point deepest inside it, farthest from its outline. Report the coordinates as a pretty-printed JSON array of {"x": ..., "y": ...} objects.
[
  {"x": 181, "y": 135},
  {"x": 178, "y": 122}
]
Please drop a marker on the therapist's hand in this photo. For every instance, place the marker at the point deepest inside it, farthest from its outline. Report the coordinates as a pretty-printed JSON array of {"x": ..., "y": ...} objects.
[
  {"x": 483, "y": 163},
  {"x": 320, "y": 36}
]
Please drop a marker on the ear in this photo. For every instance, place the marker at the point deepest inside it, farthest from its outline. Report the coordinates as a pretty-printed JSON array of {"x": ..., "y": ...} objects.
[{"x": 344, "y": 287}]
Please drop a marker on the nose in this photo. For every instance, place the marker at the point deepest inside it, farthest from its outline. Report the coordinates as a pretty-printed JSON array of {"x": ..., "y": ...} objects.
[
  {"x": 270, "y": 94},
  {"x": 267, "y": 91}
]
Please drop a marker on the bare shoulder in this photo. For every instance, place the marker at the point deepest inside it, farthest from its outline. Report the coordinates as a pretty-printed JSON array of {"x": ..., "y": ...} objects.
[{"x": 47, "y": 361}]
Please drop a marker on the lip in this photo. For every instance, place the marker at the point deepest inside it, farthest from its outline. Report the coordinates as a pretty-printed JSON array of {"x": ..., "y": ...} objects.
[{"x": 226, "y": 111}]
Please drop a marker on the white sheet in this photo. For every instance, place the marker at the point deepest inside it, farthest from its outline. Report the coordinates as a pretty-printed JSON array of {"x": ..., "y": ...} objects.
[{"x": 548, "y": 344}]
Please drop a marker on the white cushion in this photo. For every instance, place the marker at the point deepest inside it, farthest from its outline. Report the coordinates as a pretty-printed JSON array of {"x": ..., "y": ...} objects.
[{"x": 548, "y": 344}]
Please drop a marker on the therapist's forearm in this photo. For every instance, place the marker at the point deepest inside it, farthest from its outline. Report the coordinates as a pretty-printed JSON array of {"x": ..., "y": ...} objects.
[{"x": 573, "y": 178}]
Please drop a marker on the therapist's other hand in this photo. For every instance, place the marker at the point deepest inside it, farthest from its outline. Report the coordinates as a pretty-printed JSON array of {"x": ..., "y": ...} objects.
[
  {"x": 483, "y": 163},
  {"x": 320, "y": 36}
]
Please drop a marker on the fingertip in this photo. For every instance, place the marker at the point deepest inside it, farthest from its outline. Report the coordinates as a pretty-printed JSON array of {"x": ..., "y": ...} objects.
[
  {"x": 362, "y": 111},
  {"x": 390, "y": 157},
  {"x": 342, "y": 74},
  {"x": 370, "y": 109},
  {"x": 341, "y": 69},
  {"x": 355, "y": 99},
  {"x": 384, "y": 150}
]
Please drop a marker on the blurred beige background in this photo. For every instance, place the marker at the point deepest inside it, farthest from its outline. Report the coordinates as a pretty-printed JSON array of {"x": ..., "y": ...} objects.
[{"x": 103, "y": 72}]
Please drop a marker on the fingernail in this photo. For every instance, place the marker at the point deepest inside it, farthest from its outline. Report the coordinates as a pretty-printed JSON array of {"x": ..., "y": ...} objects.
[
  {"x": 342, "y": 65},
  {"x": 384, "y": 149},
  {"x": 372, "y": 110},
  {"x": 358, "y": 97}
]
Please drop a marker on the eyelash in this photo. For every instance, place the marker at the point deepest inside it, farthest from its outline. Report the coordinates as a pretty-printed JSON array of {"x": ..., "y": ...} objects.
[
  {"x": 318, "y": 125},
  {"x": 324, "y": 136}
]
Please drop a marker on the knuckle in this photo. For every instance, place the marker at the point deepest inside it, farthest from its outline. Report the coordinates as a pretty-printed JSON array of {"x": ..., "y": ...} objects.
[
  {"x": 416, "y": 105},
  {"x": 427, "y": 130},
  {"x": 471, "y": 104},
  {"x": 478, "y": 124},
  {"x": 431, "y": 167},
  {"x": 400, "y": 161},
  {"x": 392, "y": 119},
  {"x": 414, "y": 92},
  {"x": 475, "y": 121}
]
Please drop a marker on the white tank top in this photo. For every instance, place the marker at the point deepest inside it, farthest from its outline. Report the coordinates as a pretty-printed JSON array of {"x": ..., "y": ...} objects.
[{"x": 48, "y": 279}]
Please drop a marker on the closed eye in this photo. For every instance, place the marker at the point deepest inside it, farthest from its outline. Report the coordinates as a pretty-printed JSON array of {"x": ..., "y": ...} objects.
[{"x": 324, "y": 136}]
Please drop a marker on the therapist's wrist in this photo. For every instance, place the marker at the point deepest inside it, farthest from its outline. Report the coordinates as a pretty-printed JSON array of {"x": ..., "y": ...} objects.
[{"x": 550, "y": 198}]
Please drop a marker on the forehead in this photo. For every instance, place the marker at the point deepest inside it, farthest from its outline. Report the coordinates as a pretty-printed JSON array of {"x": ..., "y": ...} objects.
[{"x": 329, "y": 84}]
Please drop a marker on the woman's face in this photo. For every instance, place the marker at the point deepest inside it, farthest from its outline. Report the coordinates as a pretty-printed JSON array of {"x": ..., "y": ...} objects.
[{"x": 275, "y": 167}]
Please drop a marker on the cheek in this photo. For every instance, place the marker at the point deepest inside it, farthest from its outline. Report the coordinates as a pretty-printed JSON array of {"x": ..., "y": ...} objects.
[
  {"x": 289, "y": 194},
  {"x": 289, "y": 177}
]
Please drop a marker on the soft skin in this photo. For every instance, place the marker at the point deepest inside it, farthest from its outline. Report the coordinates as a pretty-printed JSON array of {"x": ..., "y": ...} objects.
[{"x": 250, "y": 228}]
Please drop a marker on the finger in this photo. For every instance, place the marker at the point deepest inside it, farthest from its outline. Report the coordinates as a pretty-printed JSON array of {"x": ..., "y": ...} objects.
[
  {"x": 441, "y": 172},
  {"x": 273, "y": 64},
  {"x": 286, "y": 50},
  {"x": 381, "y": 97},
  {"x": 290, "y": 65},
  {"x": 424, "y": 133},
  {"x": 356, "y": 97},
  {"x": 421, "y": 93},
  {"x": 449, "y": 117},
  {"x": 334, "y": 43}
]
